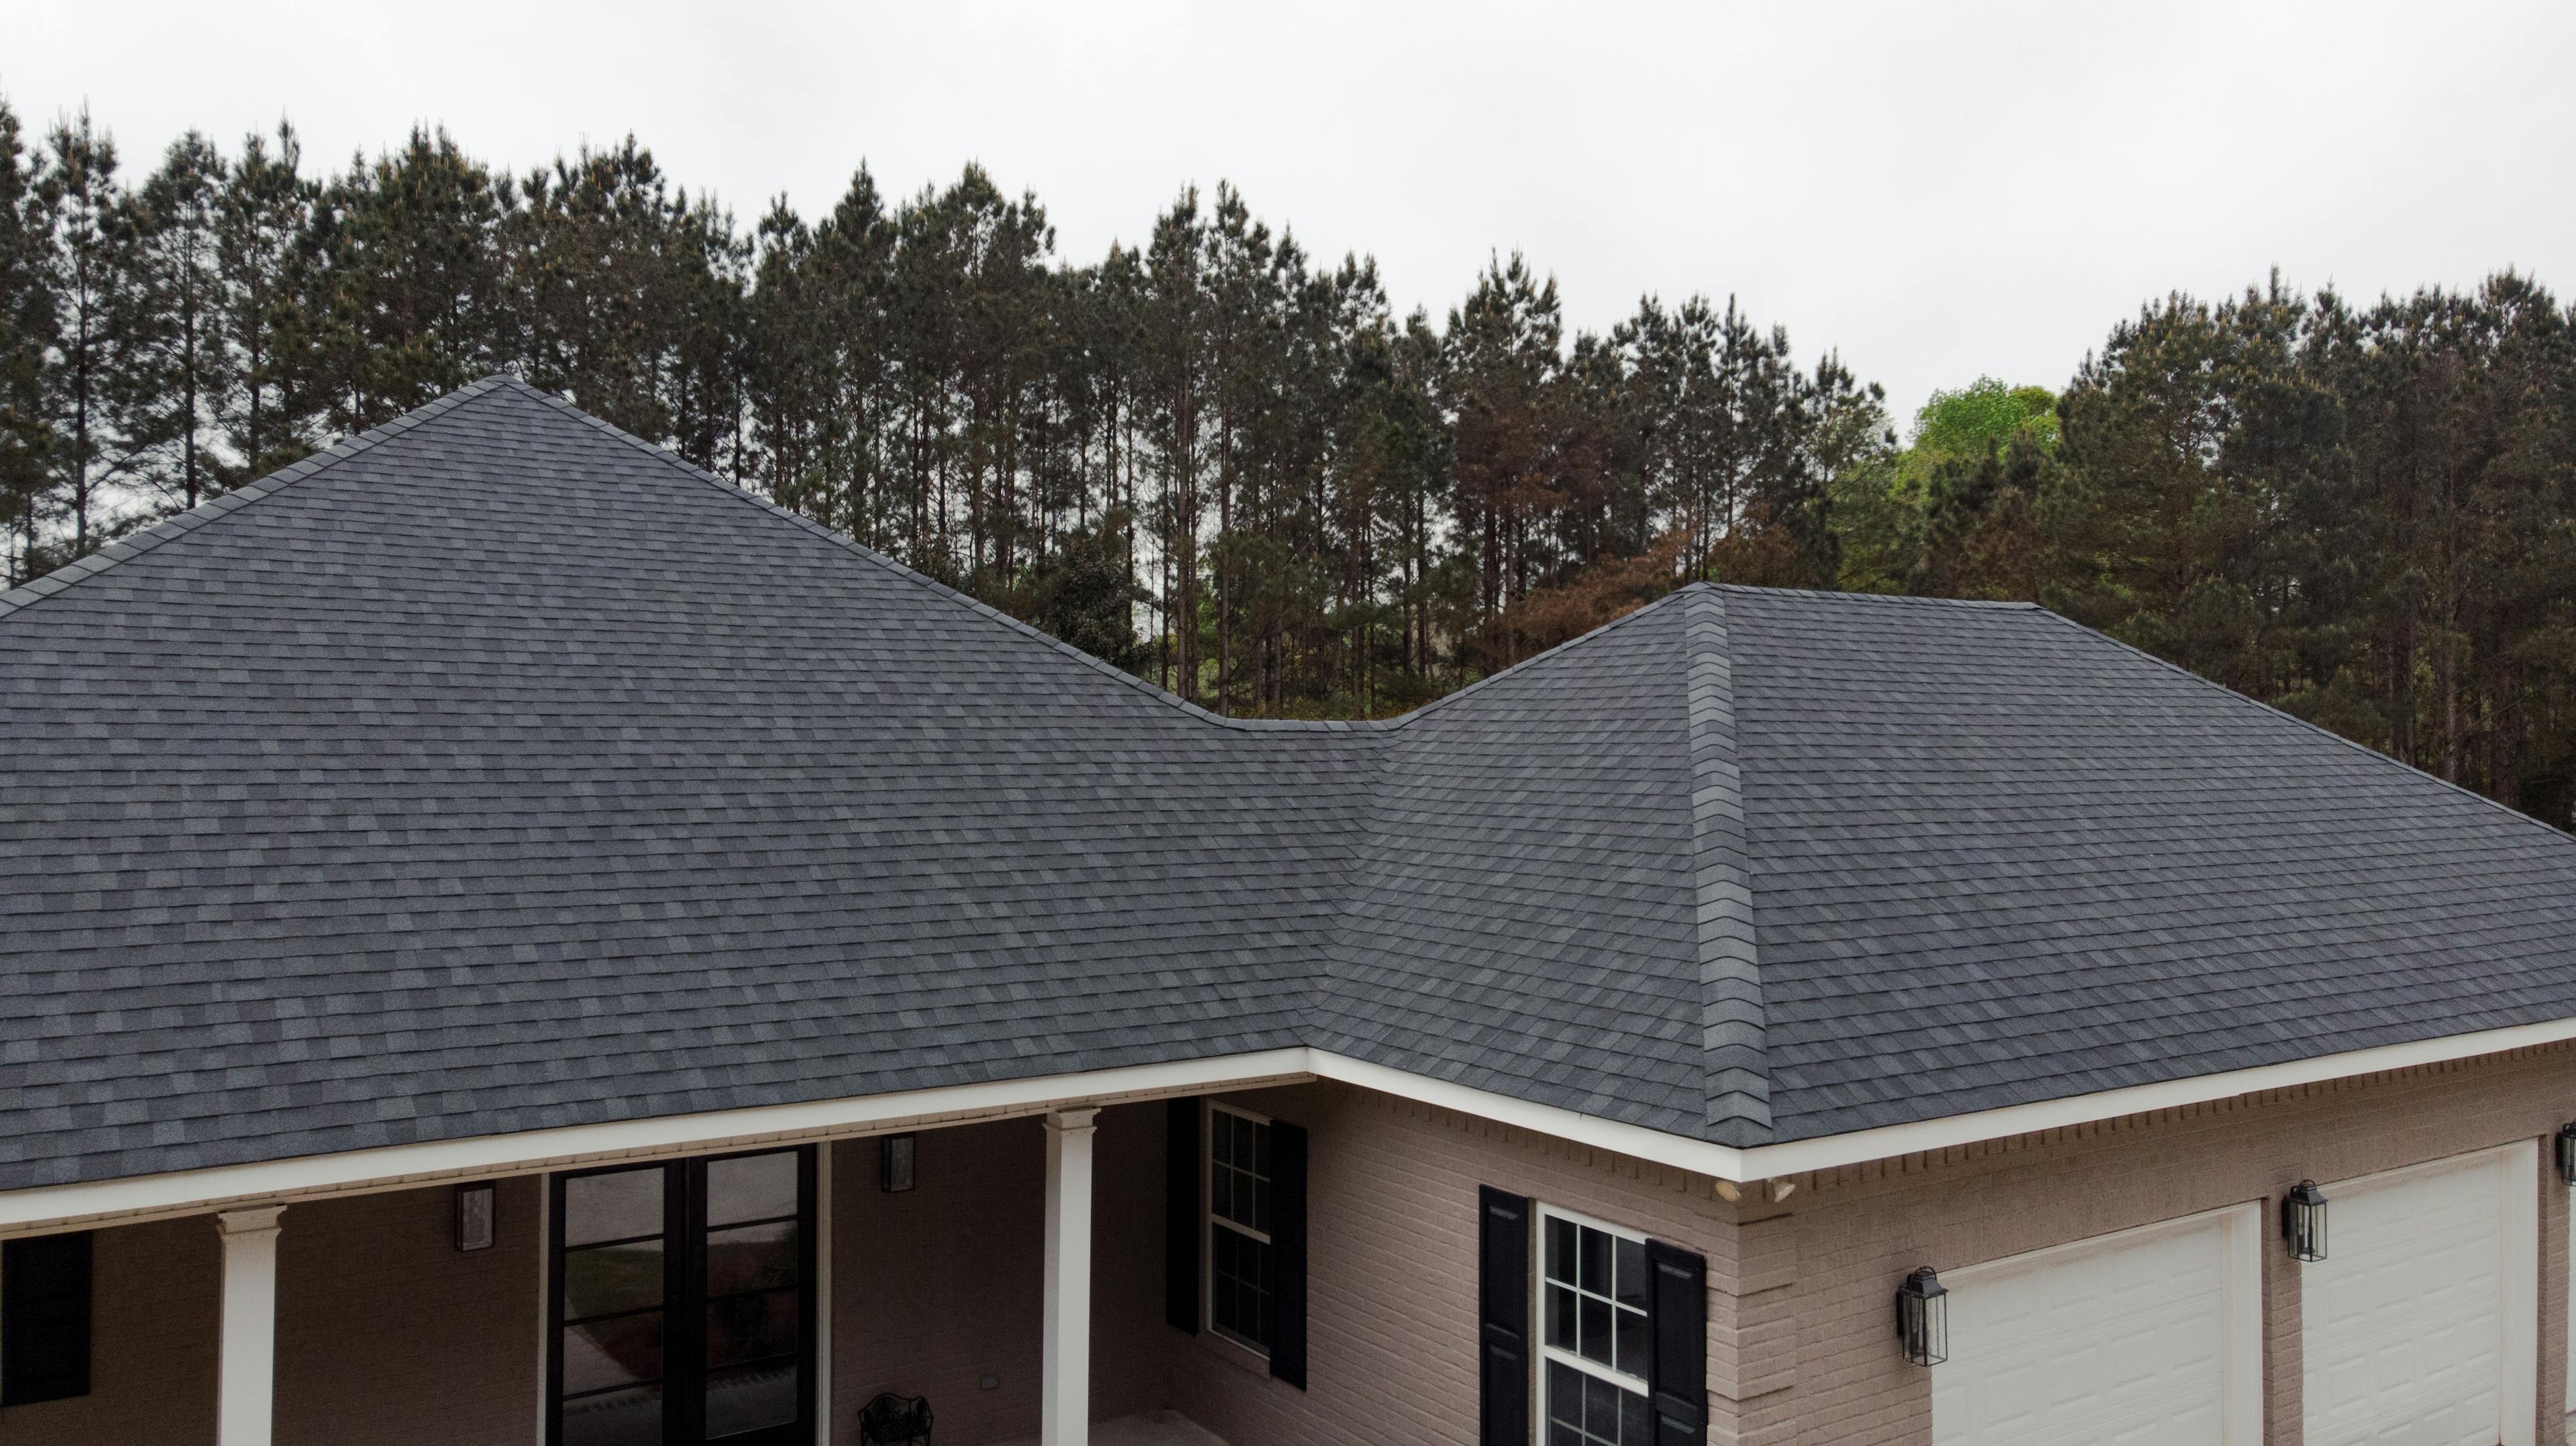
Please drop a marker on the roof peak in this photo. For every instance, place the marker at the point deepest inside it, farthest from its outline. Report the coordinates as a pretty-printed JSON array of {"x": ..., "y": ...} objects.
[{"x": 223, "y": 504}]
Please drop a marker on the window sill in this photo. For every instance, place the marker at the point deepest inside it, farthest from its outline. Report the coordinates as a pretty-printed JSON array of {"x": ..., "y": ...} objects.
[{"x": 1236, "y": 1351}]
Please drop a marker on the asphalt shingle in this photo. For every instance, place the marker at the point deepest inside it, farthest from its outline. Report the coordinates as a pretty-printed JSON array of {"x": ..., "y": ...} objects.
[{"x": 495, "y": 771}]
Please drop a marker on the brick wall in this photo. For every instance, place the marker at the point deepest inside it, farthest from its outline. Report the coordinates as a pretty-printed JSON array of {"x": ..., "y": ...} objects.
[
  {"x": 941, "y": 1286},
  {"x": 1806, "y": 1298},
  {"x": 390, "y": 1336},
  {"x": 154, "y": 1295},
  {"x": 1391, "y": 1268}
]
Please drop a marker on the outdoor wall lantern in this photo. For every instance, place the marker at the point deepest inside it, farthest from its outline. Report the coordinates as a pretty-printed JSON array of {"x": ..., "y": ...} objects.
[
  {"x": 894, "y": 1163},
  {"x": 2567, "y": 1152},
  {"x": 1923, "y": 1318},
  {"x": 2303, "y": 1221},
  {"x": 474, "y": 1216}
]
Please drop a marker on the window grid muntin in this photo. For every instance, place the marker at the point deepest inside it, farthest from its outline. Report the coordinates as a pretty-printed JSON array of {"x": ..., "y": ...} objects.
[
  {"x": 685, "y": 1220},
  {"x": 567, "y": 1323},
  {"x": 1237, "y": 1196},
  {"x": 1636, "y": 1408}
]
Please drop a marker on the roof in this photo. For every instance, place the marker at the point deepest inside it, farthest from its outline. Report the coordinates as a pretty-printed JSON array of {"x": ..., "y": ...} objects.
[{"x": 495, "y": 771}]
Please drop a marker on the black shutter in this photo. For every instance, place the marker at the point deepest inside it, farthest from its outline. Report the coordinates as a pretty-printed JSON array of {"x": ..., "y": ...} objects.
[
  {"x": 1677, "y": 1313},
  {"x": 1502, "y": 1317},
  {"x": 1181, "y": 1214},
  {"x": 44, "y": 1318},
  {"x": 1283, "y": 1266}
]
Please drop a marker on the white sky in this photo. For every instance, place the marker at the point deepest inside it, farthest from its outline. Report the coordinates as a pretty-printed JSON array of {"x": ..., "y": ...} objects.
[{"x": 1937, "y": 190}]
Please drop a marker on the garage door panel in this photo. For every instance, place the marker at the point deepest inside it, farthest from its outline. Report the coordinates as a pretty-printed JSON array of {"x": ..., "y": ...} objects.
[
  {"x": 2119, "y": 1341},
  {"x": 2403, "y": 1334}
]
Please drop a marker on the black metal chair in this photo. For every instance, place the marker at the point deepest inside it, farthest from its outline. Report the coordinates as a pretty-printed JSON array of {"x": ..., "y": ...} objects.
[{"x": 892, "y": 1420}]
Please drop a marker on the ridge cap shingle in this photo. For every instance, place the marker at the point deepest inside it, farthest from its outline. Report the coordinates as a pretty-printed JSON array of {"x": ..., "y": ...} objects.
[{"x": 1732, "y": 1014}]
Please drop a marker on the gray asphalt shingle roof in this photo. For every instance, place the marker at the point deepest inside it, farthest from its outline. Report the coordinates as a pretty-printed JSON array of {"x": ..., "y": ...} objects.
[{"x": 495, "y": 772}]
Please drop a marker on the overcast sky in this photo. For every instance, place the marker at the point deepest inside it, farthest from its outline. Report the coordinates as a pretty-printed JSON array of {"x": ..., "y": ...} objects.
[{"x": 1938, "y": 191}]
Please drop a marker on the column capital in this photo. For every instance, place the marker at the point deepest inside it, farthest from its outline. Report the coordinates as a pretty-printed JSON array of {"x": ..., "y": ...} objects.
[
  {"x": 1064, "y": 1121},
  {"x": 257, "y": 1220}
]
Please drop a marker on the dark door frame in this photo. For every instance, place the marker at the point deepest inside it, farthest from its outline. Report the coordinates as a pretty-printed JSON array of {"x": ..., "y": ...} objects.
[{"x": 684, "y": 1195}]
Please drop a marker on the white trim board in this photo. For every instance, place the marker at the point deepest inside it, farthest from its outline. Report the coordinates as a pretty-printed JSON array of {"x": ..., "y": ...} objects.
[
  {"x": 404, "y": 1166},
  {"x": 395, "y": 1167}
]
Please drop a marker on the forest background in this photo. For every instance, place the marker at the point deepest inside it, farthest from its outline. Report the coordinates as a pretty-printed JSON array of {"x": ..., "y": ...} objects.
[{"x": 1229, "y": 467}]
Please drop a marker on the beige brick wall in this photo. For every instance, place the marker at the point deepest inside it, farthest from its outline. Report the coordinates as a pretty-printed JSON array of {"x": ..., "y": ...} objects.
[
  {"x": 1807, "y": 1306},
  {"x": 941, "y": 1286},
  {"x": 154, "y": 1294},
  {"x": 1391, "y": 1266},
  {"x": 388, "y": 1335},
  {"x": 385, "y": 1334}
]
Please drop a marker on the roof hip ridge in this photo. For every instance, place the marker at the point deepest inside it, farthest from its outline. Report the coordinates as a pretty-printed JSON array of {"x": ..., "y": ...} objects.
[
  {"x": 177, "y": 525},
  {"x": 1733, "y": 1017},
  {"x": 1105, "y": 668},
  {"x": 2389, "y": 759}
]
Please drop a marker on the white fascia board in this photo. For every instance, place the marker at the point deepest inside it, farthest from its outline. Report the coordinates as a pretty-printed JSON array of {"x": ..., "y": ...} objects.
[
  {"x": 1831, "y": 1151},
  {"x": 1826, "y": 1152},
  {"x": 1723, "y": 1161},
  {"x": 505, "y": 1154}
]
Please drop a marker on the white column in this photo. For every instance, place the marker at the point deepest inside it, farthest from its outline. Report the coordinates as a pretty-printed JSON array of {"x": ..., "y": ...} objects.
[
  {"x": 1064, "y": 1411},
  {"x": 248, "y": 1378},
  {"x": 824, "y": 1305}
]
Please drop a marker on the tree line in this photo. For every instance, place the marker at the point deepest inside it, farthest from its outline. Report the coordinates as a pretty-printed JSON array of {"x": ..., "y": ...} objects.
[{"x": 1230, "y": 466}]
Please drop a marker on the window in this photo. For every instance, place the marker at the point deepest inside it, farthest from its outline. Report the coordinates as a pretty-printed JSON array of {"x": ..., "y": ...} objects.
[
  {"x": 1596, "y": 1336},
  {"x": 44, "y": 1318},
  {"x": 685, "y": 1303},
  {"x": 1238, "y": 1213}
]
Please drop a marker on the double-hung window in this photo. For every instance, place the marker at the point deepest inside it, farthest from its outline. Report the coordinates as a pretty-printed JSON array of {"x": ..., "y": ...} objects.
[
  {"x": 1597, "y": 1340},
  {"x": 1238, "y": 1226}
]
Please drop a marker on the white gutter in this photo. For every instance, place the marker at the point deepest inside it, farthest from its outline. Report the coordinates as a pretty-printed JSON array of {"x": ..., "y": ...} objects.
[{"x": 396, "y": 1166}]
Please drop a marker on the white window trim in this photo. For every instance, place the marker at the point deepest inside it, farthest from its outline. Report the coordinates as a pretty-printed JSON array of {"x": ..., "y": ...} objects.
[
  {"x": 1208, "y": 1223},
  {"x": 1539, "y": 1216}
]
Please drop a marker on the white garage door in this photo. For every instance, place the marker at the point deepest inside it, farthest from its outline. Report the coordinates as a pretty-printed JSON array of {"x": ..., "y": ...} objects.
[
  {"x": 2418, "y": 1328},
  {"x": 2148, "y": 1336}
]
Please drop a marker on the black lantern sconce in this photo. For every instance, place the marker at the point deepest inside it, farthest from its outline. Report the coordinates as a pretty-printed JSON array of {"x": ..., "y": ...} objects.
[
  {"x": 1923, "y": 1318},
  {"x": 2303, "y": 1221},
  {"x": 474, "y": 1216},
  {"x": 2567, "y": 1153},
  {"x": 894, "y": 1163}
]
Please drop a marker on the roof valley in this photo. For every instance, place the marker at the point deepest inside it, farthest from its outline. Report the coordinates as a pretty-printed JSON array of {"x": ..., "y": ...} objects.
[{"x": 1732, "y": 1016}]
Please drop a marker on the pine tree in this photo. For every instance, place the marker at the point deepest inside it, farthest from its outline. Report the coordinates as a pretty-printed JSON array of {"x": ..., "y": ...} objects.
[
  {"x": 174, "y": 374},
  {"x": 27, "y": 334},
  {"x": 91, "y": 277},
  {"x": 269, "y": 251},
  {"x": 418, "y": 279}
]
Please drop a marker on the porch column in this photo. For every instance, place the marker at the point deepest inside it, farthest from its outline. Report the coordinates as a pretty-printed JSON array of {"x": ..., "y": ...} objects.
[
  {"x": 1064, "y": 1410},
  {"x": 247, "y": 1382}
]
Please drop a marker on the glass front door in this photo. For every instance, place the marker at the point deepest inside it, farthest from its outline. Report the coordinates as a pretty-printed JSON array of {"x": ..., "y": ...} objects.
[{"x": 684, "y": 1302}]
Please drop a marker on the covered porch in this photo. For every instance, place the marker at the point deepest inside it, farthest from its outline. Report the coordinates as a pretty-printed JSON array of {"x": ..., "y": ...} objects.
[{"x": 1014, "y": 1273}]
